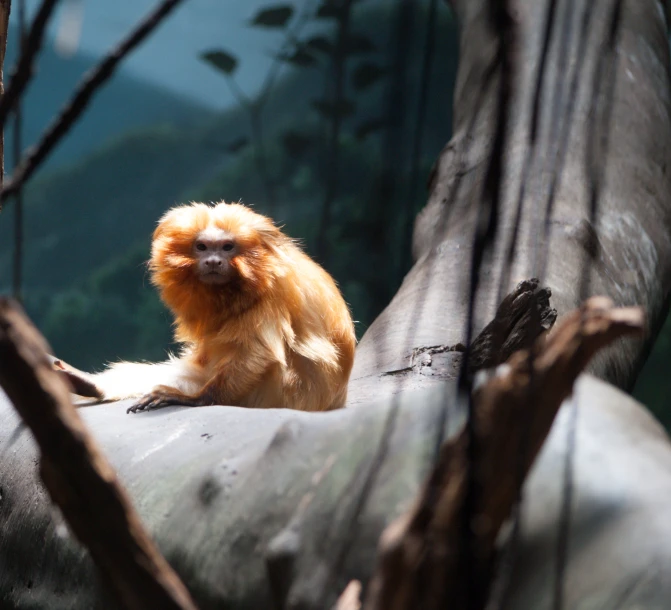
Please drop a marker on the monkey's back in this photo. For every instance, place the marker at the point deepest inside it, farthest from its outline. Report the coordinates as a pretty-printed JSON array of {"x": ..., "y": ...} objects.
[{"x": 321, "y": 353}]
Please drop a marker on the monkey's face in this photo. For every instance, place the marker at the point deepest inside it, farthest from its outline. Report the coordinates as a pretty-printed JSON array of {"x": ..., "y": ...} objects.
[
  {"x": 201, "y": 253},
  {"x": 213, "y": 251}
]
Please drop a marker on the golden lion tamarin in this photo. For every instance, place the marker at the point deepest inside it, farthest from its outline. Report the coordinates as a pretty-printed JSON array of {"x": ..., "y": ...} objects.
[{"x": 262, "y": 325}]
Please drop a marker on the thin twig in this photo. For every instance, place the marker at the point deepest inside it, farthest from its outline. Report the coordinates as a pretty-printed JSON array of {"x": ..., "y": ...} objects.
[
  {"x": 416, "y": 156},
  {"x": 82, "y": 96},
  {"x": 5, "y": 7},
  {"x": 24, "y": 67},
  {"x": 292, "y": 38},
  {"x": 485, "y": 231},
  {"x": 254, "y": 111},
  {"x": 17, "y": 263},
  {"x": 339, "y": 60},
  {"x": 255, "y": 106}
]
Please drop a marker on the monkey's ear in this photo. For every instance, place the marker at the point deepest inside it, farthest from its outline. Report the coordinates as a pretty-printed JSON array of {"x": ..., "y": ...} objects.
[{"x": 271, "y": 235}]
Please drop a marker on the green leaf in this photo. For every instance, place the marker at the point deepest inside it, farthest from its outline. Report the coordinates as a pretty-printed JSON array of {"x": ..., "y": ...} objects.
[
  {"x": 367, "y": 74},
  {"x": 273, "y": 17},
  {"x": 328, "y": 109},
  {"x": 299, "y": 57},
  {"x": 369, "y": 127},
  {"x": 320, "y": 44},
  {"x": 296, "y": 143},
  {"x": 221, "y": 60}
]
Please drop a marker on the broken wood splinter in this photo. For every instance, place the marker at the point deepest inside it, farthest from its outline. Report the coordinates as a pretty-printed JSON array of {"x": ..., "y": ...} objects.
[{"x": 426, "y": 544}]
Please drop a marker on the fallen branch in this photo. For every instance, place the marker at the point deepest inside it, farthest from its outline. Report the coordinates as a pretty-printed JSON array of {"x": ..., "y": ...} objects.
[
  {"x": 81, "y": 382},
  {"x": 78, "y": 477},
  {"x": 523, "y": 316},
  {"x": 421, "y": 555}
]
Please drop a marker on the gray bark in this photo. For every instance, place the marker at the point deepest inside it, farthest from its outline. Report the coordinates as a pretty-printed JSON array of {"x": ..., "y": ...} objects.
[
  {"x": 632, "y": 228},
  {"x": 253, "y": 507}
]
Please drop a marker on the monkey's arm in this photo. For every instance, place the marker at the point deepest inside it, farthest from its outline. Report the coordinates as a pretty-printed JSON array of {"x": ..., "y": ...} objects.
[
  {"x": 166, "y": 396},
  {"x": 229, "y": 382}
]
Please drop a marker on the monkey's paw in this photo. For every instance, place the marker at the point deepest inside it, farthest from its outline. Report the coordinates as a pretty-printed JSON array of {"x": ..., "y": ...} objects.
[{"x": 155, "y": 400}]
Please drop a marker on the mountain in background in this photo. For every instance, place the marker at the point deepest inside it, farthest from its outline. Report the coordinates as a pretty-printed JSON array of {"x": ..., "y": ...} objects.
[
  {"x": 124, "y": 103},
  {"x": 89, "y": 223},
  {"x": 80, "y": 216},
  {"x": 169, "y": 58}
]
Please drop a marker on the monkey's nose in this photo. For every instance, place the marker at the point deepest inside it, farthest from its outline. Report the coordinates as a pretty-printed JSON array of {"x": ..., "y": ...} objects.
[{"x": 213, "y": 262}]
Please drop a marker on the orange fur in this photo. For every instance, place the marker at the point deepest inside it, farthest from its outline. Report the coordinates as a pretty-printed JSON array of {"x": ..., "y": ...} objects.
[{"x": 278, "y": 334}]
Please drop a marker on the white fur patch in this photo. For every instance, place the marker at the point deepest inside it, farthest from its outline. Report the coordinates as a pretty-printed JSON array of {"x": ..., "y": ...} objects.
[{"x": 131, "y": 379}]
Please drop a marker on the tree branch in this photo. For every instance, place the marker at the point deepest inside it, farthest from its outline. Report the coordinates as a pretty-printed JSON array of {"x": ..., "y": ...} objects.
[
  {"x": 425, "y": 544},
  {"x": 322, "y": 247},
  {"x": 81, "y": 98},
  {"x": 24, "y": 67},
  {"x": 78, "y": 477},
  {"x": 5, "y": 6}
]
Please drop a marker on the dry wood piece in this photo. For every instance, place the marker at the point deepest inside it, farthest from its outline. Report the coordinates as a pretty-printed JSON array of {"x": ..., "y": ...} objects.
[
  {"x": 421, "y": 555},
  {"x": 81, "y": 382},
  {"x": 78, "y": 477},
  {"x": 350, "y": 598},
  {"x": 523, "y": 316}
]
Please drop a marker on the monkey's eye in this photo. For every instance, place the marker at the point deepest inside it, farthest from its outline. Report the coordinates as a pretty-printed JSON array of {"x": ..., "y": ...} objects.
[
  {"x": 228, "y": 246},
  {"x": 201, "y": 247}
]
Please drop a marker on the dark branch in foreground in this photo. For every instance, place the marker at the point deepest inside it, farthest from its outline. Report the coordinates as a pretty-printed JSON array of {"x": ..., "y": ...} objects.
[
  {"x": 520, "y": 319},
  {"x": 81, "y": 98},
  {"x": 78, "y": 477},
  {"x": 421, "y": 553},
  {"x": 523, "y": 316},
  {"x": 24, "y": 67}
]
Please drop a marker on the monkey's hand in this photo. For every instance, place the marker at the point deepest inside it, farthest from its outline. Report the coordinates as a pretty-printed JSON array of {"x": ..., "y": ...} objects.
[{"x": 164, "y": 396}]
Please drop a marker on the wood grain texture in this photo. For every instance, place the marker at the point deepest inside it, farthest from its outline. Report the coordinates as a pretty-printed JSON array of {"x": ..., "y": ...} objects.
[{"x": 422, "y": 553}]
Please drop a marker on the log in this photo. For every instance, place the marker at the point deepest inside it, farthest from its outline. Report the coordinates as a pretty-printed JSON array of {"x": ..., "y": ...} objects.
[
  {"x": 311, "y": 541},
  {"x": 78, "y": 477},
  {"x": 218, "y": 486}
]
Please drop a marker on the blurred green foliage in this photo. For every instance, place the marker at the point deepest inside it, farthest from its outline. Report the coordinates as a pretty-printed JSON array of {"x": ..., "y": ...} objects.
[
  {"x": 55, "y": 76},
  {"x": 89, "y": 224}
]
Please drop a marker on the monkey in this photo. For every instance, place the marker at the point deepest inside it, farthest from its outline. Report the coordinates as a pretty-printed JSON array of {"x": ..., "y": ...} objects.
[{"x": 260, "y": 323}]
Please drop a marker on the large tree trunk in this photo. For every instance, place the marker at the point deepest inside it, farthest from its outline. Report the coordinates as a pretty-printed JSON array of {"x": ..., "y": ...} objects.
[
  {"x": 618, "y": 530},
  {"x": 633, "y": 223},
  {"x": 255, "y": 508}
]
